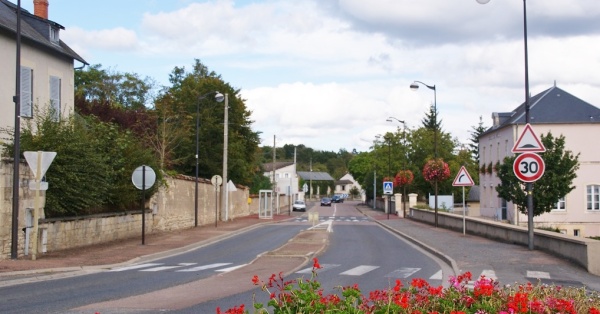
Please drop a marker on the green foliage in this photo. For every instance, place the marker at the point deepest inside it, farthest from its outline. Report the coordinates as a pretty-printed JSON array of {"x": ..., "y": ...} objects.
[
  {"x": 561, "y": 167},
  {"x": 92, "y": 169},
  {"x": 194, "y": 91},
  {"x": 475, "y": 134}
]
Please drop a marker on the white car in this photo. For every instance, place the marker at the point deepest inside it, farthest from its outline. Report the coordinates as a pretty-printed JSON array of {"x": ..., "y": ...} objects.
[{"x": 299, "y": 206}]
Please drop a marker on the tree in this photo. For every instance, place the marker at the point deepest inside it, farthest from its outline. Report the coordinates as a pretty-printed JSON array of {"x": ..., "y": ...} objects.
[
  {"x": 184, "y": 99},
  {"x": 430, "y": 120},
  {"x": 561, "y": 167},
  {"x": 475, "y": 134}
]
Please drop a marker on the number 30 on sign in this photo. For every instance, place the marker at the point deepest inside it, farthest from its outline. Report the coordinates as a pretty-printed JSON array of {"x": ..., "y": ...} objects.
[{"x": 529, "y": 167}]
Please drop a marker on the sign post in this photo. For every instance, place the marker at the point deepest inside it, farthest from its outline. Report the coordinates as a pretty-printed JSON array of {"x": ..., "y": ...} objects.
[
  {"x": 388, "y": 189},
  {"x": 143, "y": 177},
  {"x": 216, "y": 181},
  {"x": 38, "y": 162},
  {"x": 463, "y": 179},
  {"x": 527, "y": 169}
]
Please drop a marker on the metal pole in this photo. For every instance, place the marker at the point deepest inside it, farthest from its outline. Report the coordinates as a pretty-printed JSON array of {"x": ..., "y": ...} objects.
[
  {"x": 196, "y": 190},
  {"x": 389, "y": 176},
  {"x": 435, "y": 148},
  {"x": 143, "y": 203},
  {"x": 17, "y": 148},
  {"x": 224, "y": 190},
  {"x": 374, "y": 189},
  {"x": 528, "y": 186}
]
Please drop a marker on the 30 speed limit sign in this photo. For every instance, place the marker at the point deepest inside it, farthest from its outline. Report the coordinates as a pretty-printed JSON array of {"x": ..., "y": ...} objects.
[{"x": 529, "y": 167}]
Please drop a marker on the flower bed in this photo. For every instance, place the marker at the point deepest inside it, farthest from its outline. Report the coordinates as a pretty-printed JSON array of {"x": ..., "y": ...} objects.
[{"x": 486, "y": 296}]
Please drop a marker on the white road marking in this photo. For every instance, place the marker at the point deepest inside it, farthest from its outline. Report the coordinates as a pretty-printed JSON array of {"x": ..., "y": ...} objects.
[
  {"x": 160, "y": 268},
  {"x": 203, "y": 267},
  {"x": 226, "y": 270},
  {"x": 403, "y": 272},
  {"x": 360, "y": 270},
  {"x": 437, "y": 276},
  {"x": 323, "y": 268},
  {"x": 136, "y": 266},
  {"x": 538, "y": 274}
]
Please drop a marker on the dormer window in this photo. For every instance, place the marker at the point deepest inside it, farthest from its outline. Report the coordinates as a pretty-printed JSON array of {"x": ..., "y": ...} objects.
[{"x": 54, "y": 38}]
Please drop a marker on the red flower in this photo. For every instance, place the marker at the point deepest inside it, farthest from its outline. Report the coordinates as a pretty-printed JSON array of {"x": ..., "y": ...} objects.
[
  {"x": 404, "y": 177},
  {"x": 436, "y": 170},
  {"x": 255, "y": 280},
  {"x": 316, "y": 264}
]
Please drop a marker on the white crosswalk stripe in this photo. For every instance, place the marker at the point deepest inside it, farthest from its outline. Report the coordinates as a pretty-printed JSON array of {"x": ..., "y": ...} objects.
[
  {"x": 324, "y": 267},
  {"x": 404, "y": 272},
  {"x": 204, "y": 267},
  {"x": 538, "y": 274},
  {"x": 226, "y": 270},
  {"x": 359, "y": 271},
  {"x": 136, "y": 266},
  {"x": 161, "y": 268},
  {"x": 437, "y": 276}
]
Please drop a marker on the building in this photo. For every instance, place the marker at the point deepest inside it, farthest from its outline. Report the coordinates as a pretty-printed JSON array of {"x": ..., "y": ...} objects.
[
  {"x": 553, "y": 110},
  {"x": 47, "y": 64},
  {"x": 321, "y": 182},
  {"x": 345, "y": 184},
  {"x": 286, "y": 179}
]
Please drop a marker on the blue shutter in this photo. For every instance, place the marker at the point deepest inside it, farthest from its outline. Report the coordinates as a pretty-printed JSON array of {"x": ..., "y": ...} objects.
[
  {"x": 26, "y": 92},
  {"x": 55, "y": 97}
]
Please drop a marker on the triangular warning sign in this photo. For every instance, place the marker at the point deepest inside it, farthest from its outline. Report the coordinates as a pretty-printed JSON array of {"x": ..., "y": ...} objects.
[
  {"x": 45, "y": 160},
  {"x": 463, "y": 178},
  {"x": 528, "y": 142}
]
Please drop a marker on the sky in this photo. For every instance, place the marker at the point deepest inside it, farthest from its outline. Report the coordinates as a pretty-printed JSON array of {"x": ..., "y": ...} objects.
[{"x": 329, "y": 73}]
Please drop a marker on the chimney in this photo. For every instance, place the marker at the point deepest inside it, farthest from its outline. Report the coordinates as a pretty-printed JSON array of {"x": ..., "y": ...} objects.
[{"x": 40, "y": 8}]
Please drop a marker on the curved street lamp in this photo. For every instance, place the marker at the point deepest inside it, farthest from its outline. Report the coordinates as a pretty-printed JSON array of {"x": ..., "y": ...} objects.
[
  {"x": 391, "y": 119},
  {"x": 415, "y": 86},
  {"x": 219, "y": 98},
  {"x": 528, "y": 186}
]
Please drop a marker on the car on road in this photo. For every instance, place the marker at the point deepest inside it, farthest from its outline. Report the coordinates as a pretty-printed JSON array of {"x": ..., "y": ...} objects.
[
  {"x": 299, "y": 206},
  {"x": 325, "y": 201},
  {"x": 337, "y": 199}
]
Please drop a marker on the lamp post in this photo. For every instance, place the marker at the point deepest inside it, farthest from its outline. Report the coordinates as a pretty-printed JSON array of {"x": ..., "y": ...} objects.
[
  {"x": 224, "y": 190},
  {"x": 219, "y": 98},
  {"x": 390, "y": 119},
  {"x": 415, "y": 86},
  {"x": 528, "y": 186}
]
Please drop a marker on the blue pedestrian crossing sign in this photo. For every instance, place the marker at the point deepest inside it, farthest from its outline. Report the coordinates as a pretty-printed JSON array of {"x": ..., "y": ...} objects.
[{"x": 388, "y": 187}]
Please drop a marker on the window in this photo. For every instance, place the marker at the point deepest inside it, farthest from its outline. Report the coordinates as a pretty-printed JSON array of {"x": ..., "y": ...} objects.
[
  {"x": 286, "y": 175},
  {"x": 26, "y": 99},
  {"x": 54, "y": 35},
  {"x": 576, "y": 232},
  {"x": 55, "y": 97},
  {"x": 593, "y": 197},
  {"x": 561, "y": 205}
]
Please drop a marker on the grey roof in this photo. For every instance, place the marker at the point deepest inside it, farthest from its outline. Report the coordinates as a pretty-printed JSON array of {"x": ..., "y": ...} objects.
[
  {"x": 278, "y": 165},
  {"x": 473, "y": 194},
  {"x": 553, "y": 105},
  {"x": 315, "y": 176},
  {"x": 33, "y": 30},
  {"x": 343, "y": 182}
]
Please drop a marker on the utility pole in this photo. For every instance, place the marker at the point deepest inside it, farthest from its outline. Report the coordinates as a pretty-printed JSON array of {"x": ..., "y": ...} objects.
[{"x": 274, "y": 180}]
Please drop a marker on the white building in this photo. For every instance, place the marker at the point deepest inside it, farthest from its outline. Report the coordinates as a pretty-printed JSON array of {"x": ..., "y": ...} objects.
[{"x": 553, "y": 110}]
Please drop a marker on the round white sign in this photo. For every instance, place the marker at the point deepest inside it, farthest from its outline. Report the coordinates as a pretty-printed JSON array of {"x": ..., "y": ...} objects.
[
  {"x": 143, "y": 177},
  {"x": 216, "y": 180}
]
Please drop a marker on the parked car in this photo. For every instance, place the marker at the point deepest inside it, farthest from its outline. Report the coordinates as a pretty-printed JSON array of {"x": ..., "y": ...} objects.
[
  {"x": 299, "y": 206},
  {"x": 325, "y": 201},
  {"x": 337, "y": 199}
]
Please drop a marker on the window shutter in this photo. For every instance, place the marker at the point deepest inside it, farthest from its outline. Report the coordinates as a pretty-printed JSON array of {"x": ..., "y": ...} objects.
[
  {"x": 26, "y": 92},
  {"x": 55, "y": 96}
]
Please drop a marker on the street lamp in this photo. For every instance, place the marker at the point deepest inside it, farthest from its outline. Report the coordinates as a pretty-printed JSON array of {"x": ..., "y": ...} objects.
[
  {"x": 415, "y": 86},
  {"x": 219, "y": 98},
  {"x": 390, "y": 119},
  {"x": 528, "y": 186}
]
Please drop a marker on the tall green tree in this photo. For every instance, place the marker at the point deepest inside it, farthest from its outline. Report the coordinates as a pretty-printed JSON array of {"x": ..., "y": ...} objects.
[
  {"x": 476, "y": 132},
  {"x": 561, "y": 166},
  {"x": 192, "y": 91}
]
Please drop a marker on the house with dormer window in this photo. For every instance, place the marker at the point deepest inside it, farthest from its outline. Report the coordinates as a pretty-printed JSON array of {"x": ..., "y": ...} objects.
[
  {"x": 561, "y": 113},
  {"x": 47, "y": 63}
]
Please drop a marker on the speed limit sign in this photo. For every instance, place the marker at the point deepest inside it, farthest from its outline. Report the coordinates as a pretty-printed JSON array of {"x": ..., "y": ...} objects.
[{"x": 529, "y": 167}]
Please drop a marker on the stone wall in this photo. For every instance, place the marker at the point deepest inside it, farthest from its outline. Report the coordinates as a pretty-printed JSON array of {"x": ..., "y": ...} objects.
[
  {"x": 171, "y": 208},
  {"x": 26, "y": 200}
]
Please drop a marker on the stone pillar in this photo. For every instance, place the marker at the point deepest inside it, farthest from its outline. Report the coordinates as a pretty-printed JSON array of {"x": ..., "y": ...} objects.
[{"x": 398, "y": 200}]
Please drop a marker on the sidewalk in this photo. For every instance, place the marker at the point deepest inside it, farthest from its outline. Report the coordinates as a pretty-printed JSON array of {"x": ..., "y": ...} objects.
[{"x": 130, "y": 250}]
